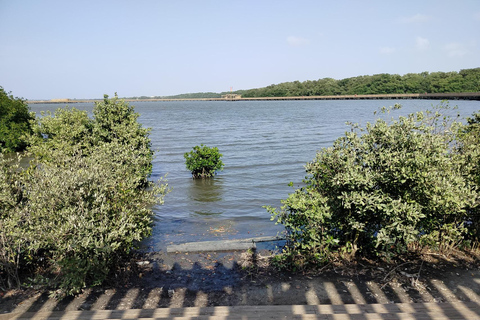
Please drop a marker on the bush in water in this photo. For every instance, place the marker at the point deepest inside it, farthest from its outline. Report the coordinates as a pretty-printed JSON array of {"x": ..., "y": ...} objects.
[{"x": 203, "y": 161}]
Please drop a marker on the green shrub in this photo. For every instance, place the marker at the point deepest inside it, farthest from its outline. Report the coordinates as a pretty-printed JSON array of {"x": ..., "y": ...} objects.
[
  {"x": 82, "y": 204},
  {"x": 115, "y": 121},
  {"x": 71, "y": 131},
  {"x": 67, "y": 130},
  {"x": 14, "y": 123},
  {"x": 381, "y": 188},
  {"x": 203, "y": 161},
  {"x": 12, "y": 243},
  {"x": 470, "y": 142}
]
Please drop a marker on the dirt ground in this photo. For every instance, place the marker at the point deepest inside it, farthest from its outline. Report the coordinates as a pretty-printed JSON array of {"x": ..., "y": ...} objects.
[{"x": 158, "y": 280}]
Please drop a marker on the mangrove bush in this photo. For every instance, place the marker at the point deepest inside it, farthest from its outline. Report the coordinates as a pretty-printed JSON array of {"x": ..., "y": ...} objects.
[
  {"x": 15, "y": 120},
  {"x": 84, "y": 201},
  {"x": 203, "y": 161},
  {"x": 381, "y": 188}
]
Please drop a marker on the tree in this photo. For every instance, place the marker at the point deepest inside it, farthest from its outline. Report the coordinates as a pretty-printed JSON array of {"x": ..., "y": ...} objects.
[
  {"x": 471, "y": 80},
  {"x": 413, "y": 83},
  {"x": 14, "y": 122},
  {"x": 203, "y": 161}
]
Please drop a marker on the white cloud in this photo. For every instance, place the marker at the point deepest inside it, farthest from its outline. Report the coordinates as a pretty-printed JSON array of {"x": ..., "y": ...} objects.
[
  {"x": 387, "y": 50},
  {"x": 297, "y": 41},
  {"x": 456, "y": 49},
  {"x": 418, "y": 18},
  {"x": 422, "y": 44}
]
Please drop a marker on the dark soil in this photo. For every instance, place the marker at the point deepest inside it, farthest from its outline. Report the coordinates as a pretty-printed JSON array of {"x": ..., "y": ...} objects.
[{"x": 157, "y": 280}]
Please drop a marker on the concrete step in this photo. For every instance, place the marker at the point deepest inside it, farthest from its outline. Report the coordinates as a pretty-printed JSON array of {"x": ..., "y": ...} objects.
[
  {"x": 222, "y": 245},
  {"x": 394, "y": 311}
]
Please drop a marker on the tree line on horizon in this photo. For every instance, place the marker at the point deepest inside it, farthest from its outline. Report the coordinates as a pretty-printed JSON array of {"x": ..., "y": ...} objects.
[{"x": 466, "y": 80}]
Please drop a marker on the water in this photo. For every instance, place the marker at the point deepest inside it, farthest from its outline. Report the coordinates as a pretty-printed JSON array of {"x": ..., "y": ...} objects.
[{"x": 265, "y": 145}]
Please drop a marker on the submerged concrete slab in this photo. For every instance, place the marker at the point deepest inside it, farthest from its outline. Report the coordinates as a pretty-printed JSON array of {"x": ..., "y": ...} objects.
[{"x": 221, "y": 245}]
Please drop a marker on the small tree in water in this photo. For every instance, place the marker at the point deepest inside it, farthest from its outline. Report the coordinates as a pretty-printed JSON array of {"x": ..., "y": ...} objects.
[{"x": 203, "y": 161}]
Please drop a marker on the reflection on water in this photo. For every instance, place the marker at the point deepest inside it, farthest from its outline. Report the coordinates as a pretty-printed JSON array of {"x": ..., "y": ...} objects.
[
  {"x": 203, "y": 193},
  {"x": 207, "y": 212},
  {"x": 206, "y": 190}
]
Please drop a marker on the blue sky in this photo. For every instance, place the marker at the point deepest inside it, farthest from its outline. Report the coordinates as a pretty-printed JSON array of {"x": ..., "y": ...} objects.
[{"x": 83, "y": 49}]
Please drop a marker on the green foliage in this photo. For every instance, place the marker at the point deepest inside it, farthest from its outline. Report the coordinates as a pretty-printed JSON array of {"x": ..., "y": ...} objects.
[
  {"x": 203, "y": 161},
  {"x": 66, "y": 131},
  {"x": 471, "y": 141},
  {"x": 467, "y": 80},
  {"x": 83, "y": 202},
  {"x": 470, "y": 148},
  {"x": 14, "y": 122},
  {"x": 11, "y": 240},
  {"x": 115, "y": 123},
  {"x": 381, "y": 188}
]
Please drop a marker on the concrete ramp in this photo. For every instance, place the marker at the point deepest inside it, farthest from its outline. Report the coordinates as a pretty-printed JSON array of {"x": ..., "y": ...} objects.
[{"x": 221, "y": 245}]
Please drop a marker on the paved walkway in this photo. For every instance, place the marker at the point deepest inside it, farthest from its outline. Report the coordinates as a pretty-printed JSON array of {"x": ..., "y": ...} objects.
[
  {"x": 189, "y": 291},
  {"x": 404, "y": 311}
]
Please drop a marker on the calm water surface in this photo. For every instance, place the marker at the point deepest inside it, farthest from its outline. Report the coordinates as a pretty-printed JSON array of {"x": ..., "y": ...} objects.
[{"x": 265, "y": 145}]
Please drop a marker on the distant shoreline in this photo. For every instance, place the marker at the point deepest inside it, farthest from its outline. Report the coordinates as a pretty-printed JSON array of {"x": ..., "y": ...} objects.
[{"x": 428, "y": 96}]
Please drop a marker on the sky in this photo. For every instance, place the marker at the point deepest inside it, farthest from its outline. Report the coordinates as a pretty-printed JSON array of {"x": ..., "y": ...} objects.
[{"x": 53, "y": 49}]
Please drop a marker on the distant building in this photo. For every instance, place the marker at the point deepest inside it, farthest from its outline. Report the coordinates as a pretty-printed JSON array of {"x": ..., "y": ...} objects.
[{"x": 231, "y": 96}]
